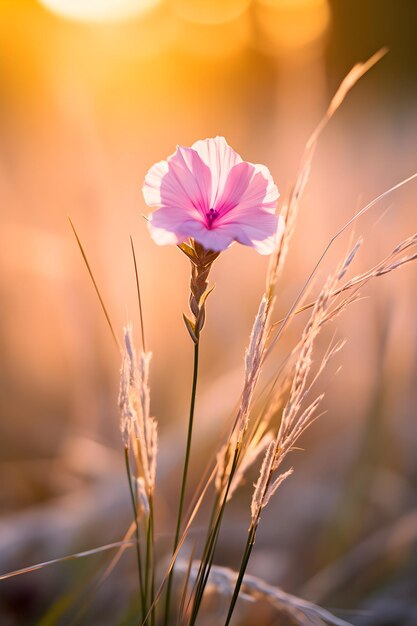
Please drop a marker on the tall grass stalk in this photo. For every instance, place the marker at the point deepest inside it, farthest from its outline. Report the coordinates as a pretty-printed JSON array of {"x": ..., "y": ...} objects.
[
  {"x": 150, "y": 559},
  {"x": 242, "y": 569},
  {"x": 137, "y": 534},
  {"x": 210, "y": 547},
  {"x": 184, "y": 476}
]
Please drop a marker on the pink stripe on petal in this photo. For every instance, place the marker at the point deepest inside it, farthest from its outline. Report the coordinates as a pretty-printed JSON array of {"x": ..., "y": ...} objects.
[
  {"x": 236, "y": 186},
  {"x": 215, "y": 239},
  {"x": 173, "y": 218},
  {"x": 181, "y": 181},
  {"x": 261, "y": 236},
  {"x": 260, "y": 193},
  {"x": 192, "y": 175},
  {"x": 220, "y": 158},
  {"x": 259, "y": 226}
]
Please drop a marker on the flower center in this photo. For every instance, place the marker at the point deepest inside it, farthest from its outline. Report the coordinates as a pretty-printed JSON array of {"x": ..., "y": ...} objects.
[{"x": 211, "y": 216}]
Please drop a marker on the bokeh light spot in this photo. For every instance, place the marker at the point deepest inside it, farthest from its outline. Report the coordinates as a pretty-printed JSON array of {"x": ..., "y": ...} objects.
[
  {"x": 210, "y": 11},
  {"x": 289, "y": 24},
  {"x": 214, "y": 41},
  {"x": 98, "y": 10}
]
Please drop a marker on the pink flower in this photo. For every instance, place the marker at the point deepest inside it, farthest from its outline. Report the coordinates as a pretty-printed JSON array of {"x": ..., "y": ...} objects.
[{"x": 208, "y": 193}]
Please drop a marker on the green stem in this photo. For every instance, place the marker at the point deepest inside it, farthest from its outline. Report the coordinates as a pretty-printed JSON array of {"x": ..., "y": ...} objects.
[
  {"x": 152, "y": 533},
  {"x": 148, "y": 563},
  {"x": 135, "y": 512},
  {"x": 203, "y": 559},
  {"x": 245, "y": 559},
  {"x": 211, "y": 543},
  {"x": 210, "y": 528},
  {"x": 184, "y": 476}
]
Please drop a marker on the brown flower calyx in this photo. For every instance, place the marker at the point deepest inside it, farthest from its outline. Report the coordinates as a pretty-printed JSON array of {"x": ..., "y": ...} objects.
[{"x": 201, "y": 262}]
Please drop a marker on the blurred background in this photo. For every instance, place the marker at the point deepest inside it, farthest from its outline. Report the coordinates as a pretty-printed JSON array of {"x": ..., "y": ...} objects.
[{"x": 92, "y": 93}]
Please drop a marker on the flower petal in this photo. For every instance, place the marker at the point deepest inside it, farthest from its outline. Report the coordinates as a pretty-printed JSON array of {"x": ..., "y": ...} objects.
[
  {"x": 210, "y": 180},
  {"x": 235, "y": 187},
  {"x": 249, "y": 188},
  {"x": 254, "y": 236},
  {"x": 262, "y": 232},
  {"x": 152, "y": 185},
  {"x": 182, "y": 181},
  {"x": 220, "y": 158},
  {"x": 247, "y": 206},
  {"x": 271, "y": 193},
  {"x": 216, "y": 239},
  {"x": 168, "y": 226},
  {"x": 163, "y": 237}
]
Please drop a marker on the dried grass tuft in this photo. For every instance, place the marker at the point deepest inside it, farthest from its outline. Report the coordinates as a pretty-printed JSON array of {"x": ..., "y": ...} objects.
[
  {"x": 136, "y": 422},
  {"x": 295, "y": 416},
  {"x": 253, "y": 363}
]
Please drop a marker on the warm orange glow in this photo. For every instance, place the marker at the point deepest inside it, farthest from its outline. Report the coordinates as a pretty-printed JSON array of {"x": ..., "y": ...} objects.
[
  {"x": 98, "y": 10},
  {"x": 210, "y": 11},
  {"x": 93, "y": 93},
  {"x": 289, "y": 24},
  {"x": 214, "y": 40}
]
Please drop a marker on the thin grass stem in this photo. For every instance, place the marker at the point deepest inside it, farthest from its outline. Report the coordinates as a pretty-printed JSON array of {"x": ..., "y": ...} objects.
[
  {"x": 142, "y": 326},
  {"x": 148, "y": 559},
  {"x": 152, "y": 547},
  {"x": 135, "y": 512},
  {"x": 211, "y": 544},
  {"x": 93, "y": 280},
  {"x": 245, "y": 559},
  {"x": 184, "y": 475}
]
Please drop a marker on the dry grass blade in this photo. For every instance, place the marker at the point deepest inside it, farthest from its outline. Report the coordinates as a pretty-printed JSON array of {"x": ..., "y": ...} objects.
[
  {"x": 290, "y": 210},
  {"x": 278, "y": 481},
  {"x": 103, "y": 306},
  {"x": 142, "y": 326},
  {"x": 129, "y": 533},
  {"x": 251, "y": 453},
  {"x": 222, "y": 581},
  {"x": 69, "y": 557},
  {"x": 387, "y": 265},
  {"x": 262, "y": 482},
  {"x": 350, "y": 80},
  {"x": 349, "y": 259},
  {"x": 276, "y": 265},
  {"x": 303, "y": 290},
  {"x": 252, "y": 449},
  {"x": 183, "y": 603}
]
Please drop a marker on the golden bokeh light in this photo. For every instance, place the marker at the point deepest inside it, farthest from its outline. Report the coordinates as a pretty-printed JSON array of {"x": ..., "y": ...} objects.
[
  {"x": 98, "y": 10},
  {"x": 210, "y": 11},
  {"x": 213, "y": 41},
  {"x": 285, "y": 25}
]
